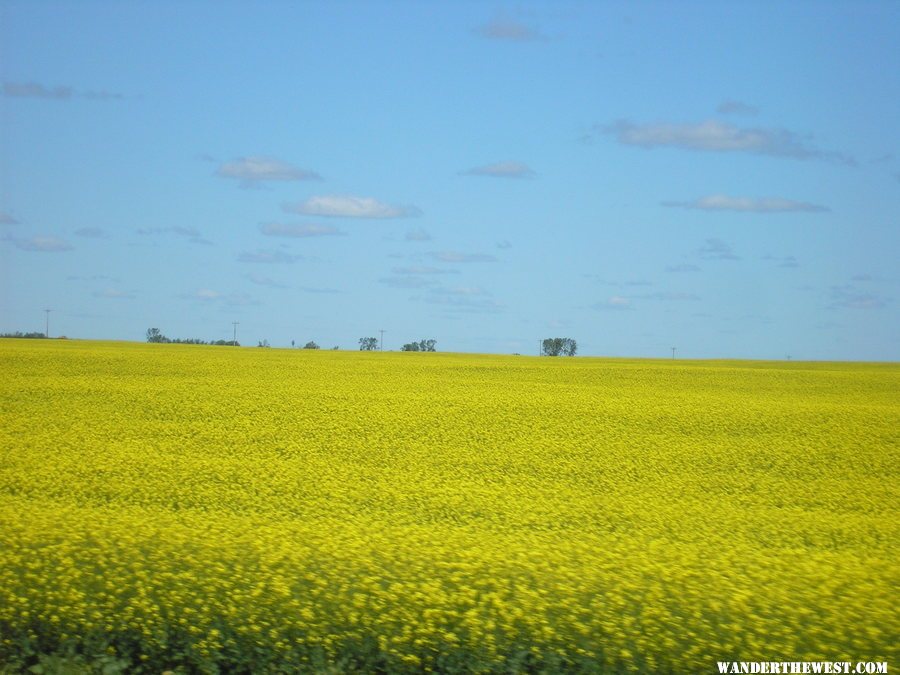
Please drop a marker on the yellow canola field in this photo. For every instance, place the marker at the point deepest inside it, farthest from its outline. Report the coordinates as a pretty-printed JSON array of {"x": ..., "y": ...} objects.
[{"x": 260, "y": 509}]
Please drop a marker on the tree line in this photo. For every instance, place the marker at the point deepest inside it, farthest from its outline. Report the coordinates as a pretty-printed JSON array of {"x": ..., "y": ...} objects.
[
  {"x": 155, "y": 335},
  {"x": 549, "y": 347},
  {"x": 370, "y": 344},
  {"x": 19, "y": 334}
]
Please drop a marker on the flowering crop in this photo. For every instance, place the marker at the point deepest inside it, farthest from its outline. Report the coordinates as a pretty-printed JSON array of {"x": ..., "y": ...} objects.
[{"x": 244, "y": 509}]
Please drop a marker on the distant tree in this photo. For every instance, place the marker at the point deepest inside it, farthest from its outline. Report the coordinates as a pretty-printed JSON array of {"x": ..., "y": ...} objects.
[
  {"x": 335, "y": 348},
  {"x": 155, "y": 335},
  {"x": 35, "y": 336},
  {"x": 559, "y": 347},
  {"x": 263, "y": 343},
  {"x": 420, "y": 346},
  {"x": 368, "y": 344},
  {"x": 310, "y": 345}
]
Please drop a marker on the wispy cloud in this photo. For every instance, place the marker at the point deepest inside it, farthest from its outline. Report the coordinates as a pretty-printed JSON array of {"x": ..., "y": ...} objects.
[
  {"x": 191, "y": 234},
  {"x": 407, "y": 281},
  {"x": 209, "y": 296},
  {"x": 417, "y": 234},
  {"x": 251, "y": 171},
  {"x": 748, "y": 205},
  {"x": 732, "y": 107},
  {"x": 299, "y": 230},
  {"x": 667, "y": 296},
  {"x": 505, "y": 244},
  {"x": 465, "y": 305},
  {"x": 343, "y": 206},
  {"x": 261, "y": 280},
  {"x": 268, "y": 257},
  {"x": 682, "y": 268},
  {"x": 502, "y": 170},
  {"x": 849, "y": 297},
  {"x": 318, "y": 290},
  {"x": 466, "y": 299},
  {"x": 423, "y": 269},
  {"x": 787, "y": 261},
  {"x": 716, "y": 136},
  {"x": 509, "y": 29},
  {"x": 459, "y": 257},
  {"x": 59, "y": 92},
  {"x": 614, "y": 303},
  {"x": 40, "y": 244},
  {"x": 716, "y": 249},
  {"x": 113, "y": 294},
  {"x": 6, "y": 219},
  {"x": 629, "y": 283},
  {"x": 93, "y": 277},
  {"x": 92, "y": 233},
  {"x": 462, "y": 291}
]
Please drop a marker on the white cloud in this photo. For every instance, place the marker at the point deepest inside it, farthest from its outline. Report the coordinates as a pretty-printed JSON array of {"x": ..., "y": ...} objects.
[
  {"x": 252, "y": 170},
  {"x": 300, "y": 230},
  {"x": 6, "y": 219},
  {"x": 732, "y": 107},
  {"x": 748, "y": 204},
  {"x": 716, "y": 249},
  {"x": 505, "y": 28},
  {"x": 716, "y": 136},
  {"x": 41, "y": 244},
  {"x": 458, "y": 257},
  {"x": 417, "y": 234},
  {"x": 502, "y": 170},
  {"x": 343, "y": 206},
  {"x": 268, "y": 257}
]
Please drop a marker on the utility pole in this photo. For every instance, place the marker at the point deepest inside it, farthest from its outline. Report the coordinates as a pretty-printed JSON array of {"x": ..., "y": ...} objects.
[
  {"x": 381, "y": 344},
  {"x": 234, "y": 338},
  {"x": 673, "y": 353},
  {"x": 47, "y": 326}
]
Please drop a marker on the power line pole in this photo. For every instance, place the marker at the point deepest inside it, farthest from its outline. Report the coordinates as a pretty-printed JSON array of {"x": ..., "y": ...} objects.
[
  {"x": 47, "y": 326},
  {"x": 673, "y": 353},
  {"x": 234, "y": 336},
  {"x": 381, "y": 344}
]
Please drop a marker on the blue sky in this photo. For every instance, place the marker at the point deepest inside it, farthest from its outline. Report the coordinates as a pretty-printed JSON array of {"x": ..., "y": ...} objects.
[{"x": 719, "y": 177}]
